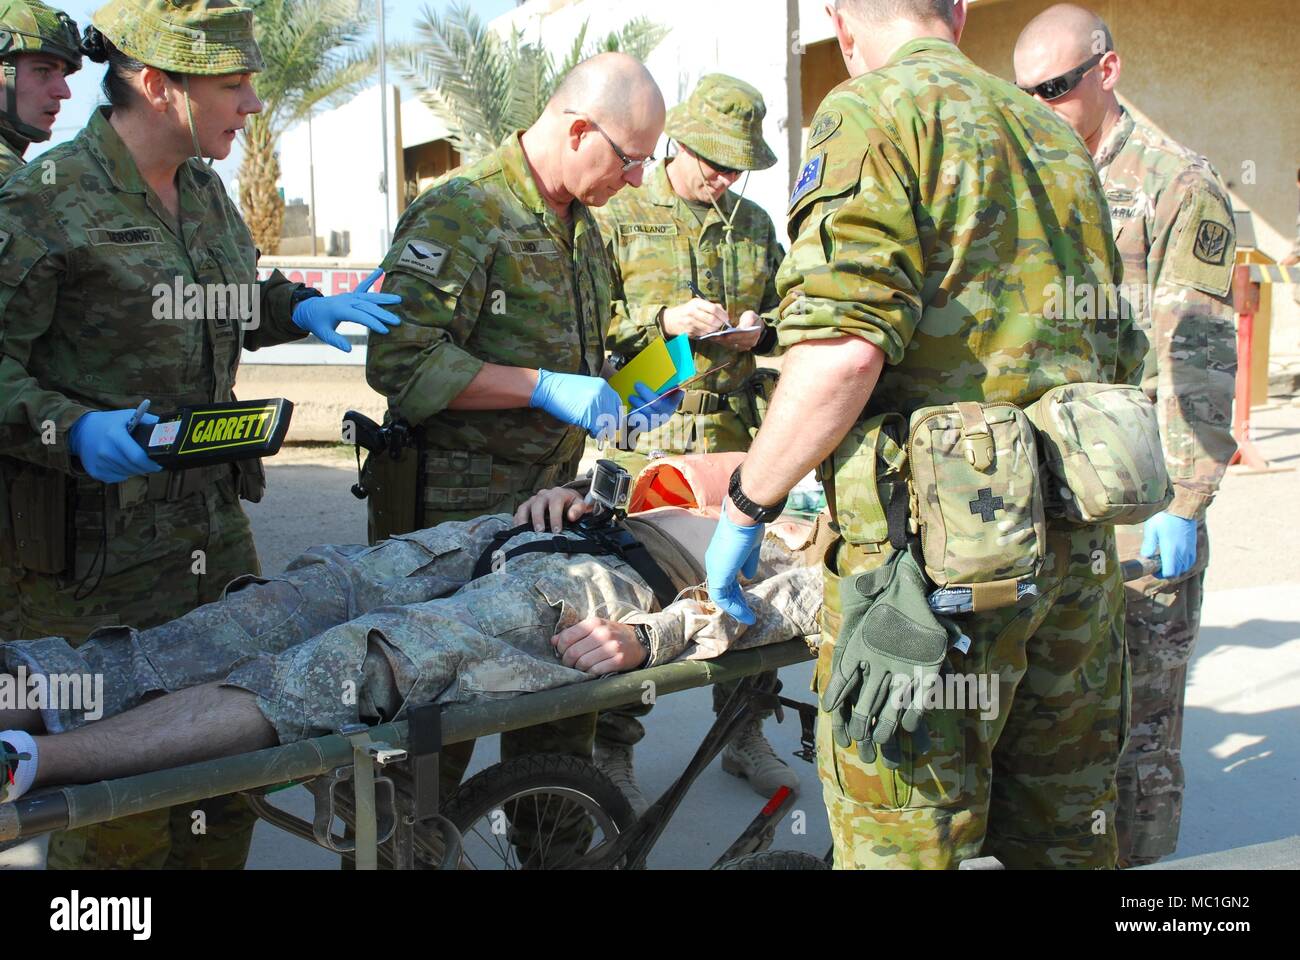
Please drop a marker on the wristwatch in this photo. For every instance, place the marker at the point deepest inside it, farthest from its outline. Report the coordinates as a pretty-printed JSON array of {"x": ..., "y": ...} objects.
[
  {"x": 303, "y": 292},
  {"x": 756, "y": 512}
]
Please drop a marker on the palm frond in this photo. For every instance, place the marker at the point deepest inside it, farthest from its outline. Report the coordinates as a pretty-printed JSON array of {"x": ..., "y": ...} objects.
[{"x": 483, "y": 86}]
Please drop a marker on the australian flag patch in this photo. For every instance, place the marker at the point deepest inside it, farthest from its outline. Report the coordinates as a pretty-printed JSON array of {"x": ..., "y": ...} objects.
[{"x": 810, "y": 178}]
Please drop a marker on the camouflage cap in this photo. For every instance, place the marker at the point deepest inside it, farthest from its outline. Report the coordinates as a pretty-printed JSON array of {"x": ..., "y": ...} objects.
[
  {"x": 722, "y": 121},
  {"x": 29, "y": 26},
  {"x": 196, "y": 37}
]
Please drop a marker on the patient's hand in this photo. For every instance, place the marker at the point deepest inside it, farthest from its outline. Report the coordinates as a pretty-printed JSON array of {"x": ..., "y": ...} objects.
[
  {"x": 599, "y": 646},
  {"x": 552, "y": 506}
]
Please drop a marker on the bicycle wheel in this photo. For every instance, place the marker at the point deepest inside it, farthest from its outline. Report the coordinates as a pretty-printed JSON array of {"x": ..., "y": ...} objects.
[
  {"x": 544, "y": 812},
  {"x": 776, "y": 860}
]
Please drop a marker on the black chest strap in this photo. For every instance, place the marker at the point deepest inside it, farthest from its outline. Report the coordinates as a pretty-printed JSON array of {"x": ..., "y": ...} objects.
[{"x": 598, "y": 542}]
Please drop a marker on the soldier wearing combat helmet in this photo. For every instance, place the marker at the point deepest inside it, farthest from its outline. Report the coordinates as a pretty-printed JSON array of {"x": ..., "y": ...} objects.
[
  {"x": 39, "y": 48},
  {"x": 1173, "y": 225},
  {"x": 106, "y": 537},
  {"x": 691, "y": 257}
]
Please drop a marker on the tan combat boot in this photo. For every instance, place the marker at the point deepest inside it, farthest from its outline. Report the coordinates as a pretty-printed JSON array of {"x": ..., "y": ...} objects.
[
  {"x": 750, "y": 756},
  {"x": 614, "y": 760}
]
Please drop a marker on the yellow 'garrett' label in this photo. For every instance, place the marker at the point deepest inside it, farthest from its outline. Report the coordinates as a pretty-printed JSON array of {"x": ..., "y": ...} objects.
[{"x": 227, "y": 429}]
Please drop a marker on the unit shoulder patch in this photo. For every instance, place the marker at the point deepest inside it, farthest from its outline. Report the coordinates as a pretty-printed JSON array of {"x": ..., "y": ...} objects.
[
  {"x": 824, "y": 124},
  {"x": 1202, "y": 251},
  {"x": 423, "y": 257},
  {"x": 1211, "y": 243}
]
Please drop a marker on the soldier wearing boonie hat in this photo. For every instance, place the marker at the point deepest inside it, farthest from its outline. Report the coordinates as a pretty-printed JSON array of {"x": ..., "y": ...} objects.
[
  {"x": 691, "y": 257},
  {"x": 85, "y": 337},
  {"x": 201, "y": 38}
]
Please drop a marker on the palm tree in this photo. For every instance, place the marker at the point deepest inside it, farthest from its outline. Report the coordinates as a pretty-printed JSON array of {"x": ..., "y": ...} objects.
[
  {"x": 483, "y": 86},
  {"x": 316, "y": 55}
]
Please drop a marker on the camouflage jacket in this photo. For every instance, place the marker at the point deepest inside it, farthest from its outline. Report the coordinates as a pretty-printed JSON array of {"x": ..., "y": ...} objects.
[
  {"x": 938, "y": 213},
  {"x": 12, "y": 148},
  {"x": 89, "y": 317},
  {"x": 489, "y": 274},
  {"x": 1173, "y": 225},
  {"x": 659, "y": 246}
]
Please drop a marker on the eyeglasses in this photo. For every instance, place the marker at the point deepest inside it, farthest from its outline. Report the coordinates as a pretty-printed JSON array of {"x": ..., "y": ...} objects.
[
  {"x": 1058, "y": 87},
  {"x": 629, "y": 165}
]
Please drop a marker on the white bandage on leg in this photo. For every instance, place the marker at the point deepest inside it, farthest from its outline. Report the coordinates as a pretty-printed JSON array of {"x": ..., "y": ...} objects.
[{"x": 25, "y": 773}]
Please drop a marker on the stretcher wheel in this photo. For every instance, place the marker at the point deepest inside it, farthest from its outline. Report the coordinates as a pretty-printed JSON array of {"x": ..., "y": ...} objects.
[
  {"x": 544, "y": 812},
  {"x": 776, "y": 860}
]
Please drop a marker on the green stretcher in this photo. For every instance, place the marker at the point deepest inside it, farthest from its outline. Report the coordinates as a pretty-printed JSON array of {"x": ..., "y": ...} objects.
[{"x": 366, "y": 750}]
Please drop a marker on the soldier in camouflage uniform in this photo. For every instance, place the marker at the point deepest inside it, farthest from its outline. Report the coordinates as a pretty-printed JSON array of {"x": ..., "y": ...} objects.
[
  {"x": 43, "y": 45},
  {"x": 101, "y": 536},
  {"x": 685, "y": 229},
  {"x": 39, "y": 49},
  {"x": 1173, "y": 225},
  {"x": 936, "y": 210},
  {"x": 503, "y": 271}
]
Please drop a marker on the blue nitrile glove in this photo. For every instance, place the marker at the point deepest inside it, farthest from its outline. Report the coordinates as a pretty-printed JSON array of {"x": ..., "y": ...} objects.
[
  {"x": 587, "y": 402},
  {"x": 733, "y": 550},
  {"x": 656, "y": 412},
  {"x": 107, "y": 452},
  {"x": 1174, "y": 538},
  {"x": 322, "y": 315}
]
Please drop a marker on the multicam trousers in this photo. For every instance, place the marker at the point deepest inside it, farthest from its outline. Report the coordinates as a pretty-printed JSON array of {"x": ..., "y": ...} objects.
[
  {"x": 1161, "y": 622},
  {"x": 1033, "y": 784}
]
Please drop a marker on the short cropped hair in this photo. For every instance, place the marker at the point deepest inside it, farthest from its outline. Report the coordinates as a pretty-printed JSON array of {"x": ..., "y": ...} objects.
[{"x": 880, "y": 11}]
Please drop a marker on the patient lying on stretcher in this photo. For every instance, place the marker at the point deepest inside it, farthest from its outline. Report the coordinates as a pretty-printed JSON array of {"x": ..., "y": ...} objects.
[{"x": 354, "y": 634}]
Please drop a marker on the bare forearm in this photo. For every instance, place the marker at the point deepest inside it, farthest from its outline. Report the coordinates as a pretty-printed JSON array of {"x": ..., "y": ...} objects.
[
  {"x": 824, "y": 386},
  {"x": 497, "y": 388}
]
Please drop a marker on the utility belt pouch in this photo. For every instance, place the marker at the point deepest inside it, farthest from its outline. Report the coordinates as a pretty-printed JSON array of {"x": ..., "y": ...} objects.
[
  {"x": 457, "y": 481},
  {"x": 1101, "y": 451},
  {"x": 757, "y": 392},
  {"x": 38, "y": 517},
  {"x": 251, "y": 480},
  {"x": 865, "y": 480},
  {"x": 393, "y": 482},
  {"x": 976, "y": 498}
]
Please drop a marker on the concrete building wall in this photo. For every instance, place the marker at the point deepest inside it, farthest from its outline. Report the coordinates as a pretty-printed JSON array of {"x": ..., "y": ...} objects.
[
  {"x": 349, "y": 161},
  {"x": 1220, "y": 78}
]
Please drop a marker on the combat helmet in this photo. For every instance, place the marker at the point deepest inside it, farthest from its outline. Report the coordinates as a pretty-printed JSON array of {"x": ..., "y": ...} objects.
[{"x": 29, "y": 26}]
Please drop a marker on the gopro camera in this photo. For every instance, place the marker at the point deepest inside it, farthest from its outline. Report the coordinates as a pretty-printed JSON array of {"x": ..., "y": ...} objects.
[{"x": 610, "y": 486}]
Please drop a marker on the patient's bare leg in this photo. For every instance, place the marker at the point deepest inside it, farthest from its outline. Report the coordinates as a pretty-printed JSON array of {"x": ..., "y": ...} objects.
[{"x": 200, "y": 723}]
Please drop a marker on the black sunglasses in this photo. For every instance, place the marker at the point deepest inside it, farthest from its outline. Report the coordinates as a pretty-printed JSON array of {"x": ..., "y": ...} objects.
[{"x": 1058, "y": 87}]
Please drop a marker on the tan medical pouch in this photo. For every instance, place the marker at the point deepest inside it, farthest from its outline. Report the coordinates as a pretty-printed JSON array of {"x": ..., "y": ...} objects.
[
  {"x": 976, "y": 498},
  {"x": 1100, "y": 445}
]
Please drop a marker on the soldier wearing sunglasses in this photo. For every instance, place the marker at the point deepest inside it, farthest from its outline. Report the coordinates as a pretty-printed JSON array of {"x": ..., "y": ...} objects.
[{"x": 1173, "y": 226}]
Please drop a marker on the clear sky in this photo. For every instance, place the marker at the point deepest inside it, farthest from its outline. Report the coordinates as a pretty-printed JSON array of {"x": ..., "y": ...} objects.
[{"x": 402, "y": 16}]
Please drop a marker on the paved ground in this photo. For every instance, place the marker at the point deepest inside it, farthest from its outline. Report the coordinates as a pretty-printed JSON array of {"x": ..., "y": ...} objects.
[{"x": 1241, "y": 746}]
